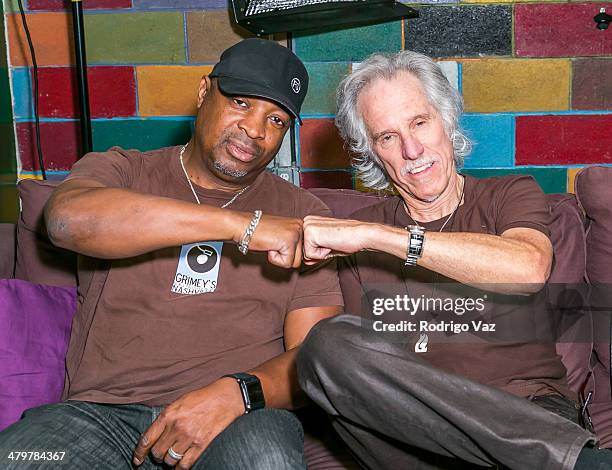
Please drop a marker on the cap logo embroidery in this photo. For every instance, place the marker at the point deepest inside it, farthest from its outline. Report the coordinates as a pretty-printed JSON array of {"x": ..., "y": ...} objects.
[{"x": 296, "y": 85}]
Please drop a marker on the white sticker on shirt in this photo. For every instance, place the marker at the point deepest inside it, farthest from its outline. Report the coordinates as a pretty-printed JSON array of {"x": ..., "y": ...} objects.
[{"x": 198, "y": 268}]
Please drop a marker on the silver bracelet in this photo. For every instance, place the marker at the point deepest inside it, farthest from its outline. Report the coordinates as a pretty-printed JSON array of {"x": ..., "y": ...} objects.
[{"x": 243, "y": 246}]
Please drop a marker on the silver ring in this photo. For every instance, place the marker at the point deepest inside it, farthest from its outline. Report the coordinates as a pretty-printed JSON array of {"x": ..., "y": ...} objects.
[{"x": 175, "y": 455}]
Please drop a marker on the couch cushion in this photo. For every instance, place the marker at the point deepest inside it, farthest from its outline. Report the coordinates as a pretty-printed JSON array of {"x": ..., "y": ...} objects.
[
  {"x": 37, "y": 259},
  {"x": 594, "y": 194},
  {"x": 34, "y": 332},
  {"x": 569, "y": 245}
]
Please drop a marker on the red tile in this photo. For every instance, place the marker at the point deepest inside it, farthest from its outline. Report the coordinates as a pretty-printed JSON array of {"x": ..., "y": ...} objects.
[
  {"x": 321, "y": 146},
  {"x": 563, "y": 140},
  {"x": 326, "y": 179},
  {"x": 59, "y": 141},
  {"x": 559, "y": 30},
  {"x": 112, "y": 92},
  {"x": 87, "y": 4},
  {"x": 591, "y": 84}
]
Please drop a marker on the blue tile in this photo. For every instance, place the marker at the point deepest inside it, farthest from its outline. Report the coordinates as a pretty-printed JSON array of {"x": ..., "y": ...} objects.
[
  {"x": 493, "y": 137},
  {"x": 349, "y": 45},
  {"x": 179, "y": 4},
  {"x": 22, "y": 91}
]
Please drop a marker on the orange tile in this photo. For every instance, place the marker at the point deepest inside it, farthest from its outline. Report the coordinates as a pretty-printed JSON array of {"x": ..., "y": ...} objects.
[
  {"x": 51, "y": 34},
  {"x": 169, "y": 90}
]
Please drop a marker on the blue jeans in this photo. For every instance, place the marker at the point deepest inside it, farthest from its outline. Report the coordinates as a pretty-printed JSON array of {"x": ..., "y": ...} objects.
[{"x": 99, "y": 436}]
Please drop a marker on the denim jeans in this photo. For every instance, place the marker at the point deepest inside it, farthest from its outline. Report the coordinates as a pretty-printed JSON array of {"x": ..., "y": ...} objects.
[
  {"x": 99, "y": 436},
  {"x": 395, "y": 410}
]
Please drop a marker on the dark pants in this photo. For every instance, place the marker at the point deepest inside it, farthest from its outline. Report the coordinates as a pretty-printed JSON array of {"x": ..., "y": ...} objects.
[
  {"x": 95, "y": 436},
  {"x": 396, "y": 411}
]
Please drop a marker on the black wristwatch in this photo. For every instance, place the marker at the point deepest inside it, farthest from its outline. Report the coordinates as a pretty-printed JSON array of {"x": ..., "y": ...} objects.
[{"x": 250, "y": 388}]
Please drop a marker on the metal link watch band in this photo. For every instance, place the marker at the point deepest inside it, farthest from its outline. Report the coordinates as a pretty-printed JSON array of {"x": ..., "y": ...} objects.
[{"x": 416, "y": 241}]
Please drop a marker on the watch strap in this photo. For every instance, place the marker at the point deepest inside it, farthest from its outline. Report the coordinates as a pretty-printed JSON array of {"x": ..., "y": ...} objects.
[{"x": 251, "y": 391}]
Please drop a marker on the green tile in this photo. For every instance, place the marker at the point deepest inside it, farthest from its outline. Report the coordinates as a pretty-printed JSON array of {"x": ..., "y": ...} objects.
[
  {"x": 6, "y": 113},
  {"x": 324, "y": 79},
  {"x": 8, "y": 155},
  {"x": 9, "y": 202},
  {"x": 11, "y": 6},
  {"x": 146, "y": 134},
  {"x": 351, "y": 44},
  {"x": 551, "y": 180},
  {"x": 135, "y": 38}
]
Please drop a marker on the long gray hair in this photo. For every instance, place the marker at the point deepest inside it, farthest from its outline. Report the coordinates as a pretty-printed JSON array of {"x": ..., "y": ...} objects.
[{"x": 440, "y": 94}]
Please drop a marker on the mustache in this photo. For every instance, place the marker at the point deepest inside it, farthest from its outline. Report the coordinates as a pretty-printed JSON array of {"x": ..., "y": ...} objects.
[
  {"x": 244, "y": 145},
  {"x": 409, "y": 166}
]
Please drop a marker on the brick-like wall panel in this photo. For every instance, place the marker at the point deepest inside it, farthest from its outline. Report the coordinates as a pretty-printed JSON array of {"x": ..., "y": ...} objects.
[
  {"x": 169, "y": 90},
  {"x": 461, "y": 31},
  {"x": 112, "y": 92},
  {"x": 52, "y": 34},
  {"x": 592, "y": 84},
  {"x": 146, "y": 134},
  {"x": 563, "y": 140},
  {"x": 508, "y": 85},
  {"x": 52, "y": 5},
  {"x": 324, "y": 80},
  {"x": 559, "y": 30},
  {"x": 349, "y": 45},
  {"x": 209, "y": 33},
  {"x": 321, "y": 146},
  {"x": 135, "y": 38},
  {"x": 60, "y": 142}
]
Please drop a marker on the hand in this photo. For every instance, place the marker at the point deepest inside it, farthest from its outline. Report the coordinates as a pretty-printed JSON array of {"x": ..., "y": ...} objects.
[
  {"x": 325, "y": 237},
  {"x": 189, "y": 424},
  {"x": 281, "y": 237}
]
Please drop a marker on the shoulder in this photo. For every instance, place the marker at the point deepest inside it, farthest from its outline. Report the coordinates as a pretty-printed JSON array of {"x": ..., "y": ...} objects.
[
  {"x": 500, "y": 185},
  {"x": 381, "y": 211}
]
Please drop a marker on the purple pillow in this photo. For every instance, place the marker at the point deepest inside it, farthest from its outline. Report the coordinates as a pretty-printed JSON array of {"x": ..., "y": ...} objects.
[{"x": 34, "y": 333}]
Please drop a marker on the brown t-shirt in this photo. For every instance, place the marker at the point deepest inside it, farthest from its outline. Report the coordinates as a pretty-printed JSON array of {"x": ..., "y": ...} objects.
[
  {"x": 176, "y": 319},
  {"x": 519, "y": 355}
]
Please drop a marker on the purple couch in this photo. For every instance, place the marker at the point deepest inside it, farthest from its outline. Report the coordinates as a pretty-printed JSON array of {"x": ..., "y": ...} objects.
[{"x": 582, "y": 239}]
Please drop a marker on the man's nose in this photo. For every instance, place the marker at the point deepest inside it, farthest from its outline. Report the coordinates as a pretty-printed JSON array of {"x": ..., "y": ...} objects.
[
  {"x": 253, "y": 126},
  {"x": 411, "y": 147}
]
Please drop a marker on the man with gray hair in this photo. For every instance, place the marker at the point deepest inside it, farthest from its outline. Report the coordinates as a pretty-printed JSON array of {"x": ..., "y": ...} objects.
[{"x": 458, "y": 395}]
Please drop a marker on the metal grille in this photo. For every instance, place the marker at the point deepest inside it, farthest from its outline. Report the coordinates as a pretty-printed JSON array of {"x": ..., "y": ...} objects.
[{"x": 256, "y": 7}]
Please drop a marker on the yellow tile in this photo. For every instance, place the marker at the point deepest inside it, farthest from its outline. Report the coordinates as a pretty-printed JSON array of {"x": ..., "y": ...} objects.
[
  {"x": 500, "y": 85},
  {"x": 9, "y": 203},
  {"x": 571, "y": 178},
  {"x": 169, "y": 90}
]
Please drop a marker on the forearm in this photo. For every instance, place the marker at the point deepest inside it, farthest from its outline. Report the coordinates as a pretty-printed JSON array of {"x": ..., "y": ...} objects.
[
  {"x": 503, "y": 264},
  {"x": 278, "y": 378},
  {"x": 118, "y": 223}
]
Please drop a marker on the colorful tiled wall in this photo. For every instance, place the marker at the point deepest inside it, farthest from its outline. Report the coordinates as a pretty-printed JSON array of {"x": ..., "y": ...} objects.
[{"x": 535, "y": 75}]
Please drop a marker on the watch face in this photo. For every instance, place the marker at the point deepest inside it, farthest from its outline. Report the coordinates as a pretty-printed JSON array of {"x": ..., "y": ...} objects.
[{"x": 255, "y": 393}]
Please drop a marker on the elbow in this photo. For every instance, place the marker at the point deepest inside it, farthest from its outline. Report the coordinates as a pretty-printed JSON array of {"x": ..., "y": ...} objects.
[
  {"x": 62, "y": 227},
  {"x": 57, "y": 225},
  {"x": 538, "y": 272}
]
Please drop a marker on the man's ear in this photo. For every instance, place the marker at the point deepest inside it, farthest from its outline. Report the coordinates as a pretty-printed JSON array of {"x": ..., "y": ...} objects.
[{"x": 203, "y": 89}]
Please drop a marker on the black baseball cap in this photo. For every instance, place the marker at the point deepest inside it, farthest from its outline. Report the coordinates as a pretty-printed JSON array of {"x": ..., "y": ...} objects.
[{"x": 263, "y": 68}]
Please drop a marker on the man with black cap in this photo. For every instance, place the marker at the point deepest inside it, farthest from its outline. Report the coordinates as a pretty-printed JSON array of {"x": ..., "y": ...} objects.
[{"x": 191, "y": 304}]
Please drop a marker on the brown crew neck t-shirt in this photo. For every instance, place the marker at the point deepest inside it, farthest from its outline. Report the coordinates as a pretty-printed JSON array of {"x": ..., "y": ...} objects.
[
  {"x": 177, "y": 319},
  {"x": 507, "y": 358}
]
